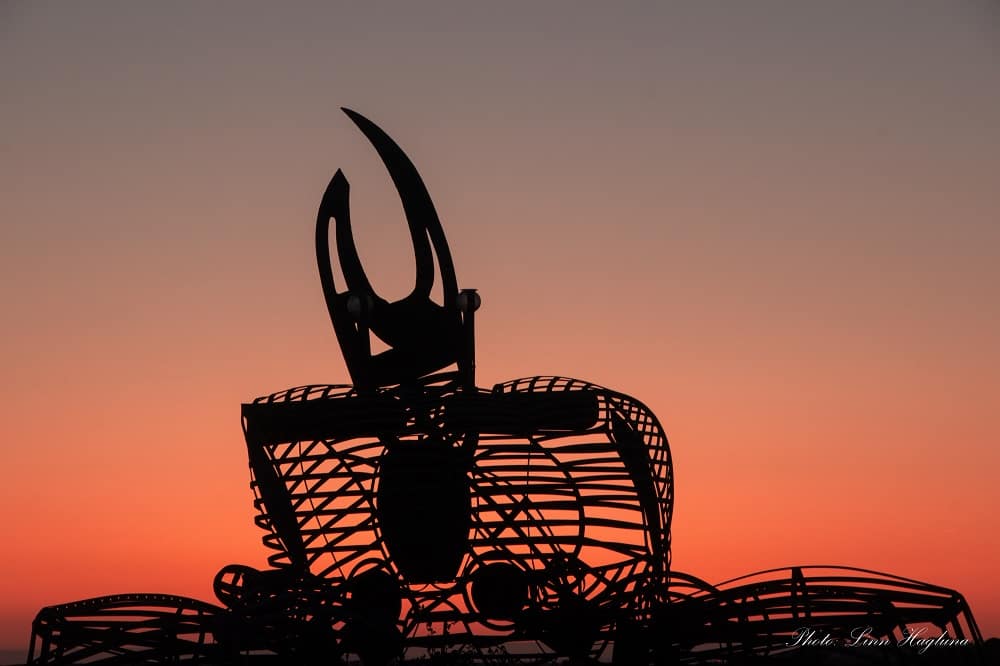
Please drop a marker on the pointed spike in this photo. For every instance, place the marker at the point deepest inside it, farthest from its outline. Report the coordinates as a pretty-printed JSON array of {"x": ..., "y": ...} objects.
[{"x": 421, "y": 217}]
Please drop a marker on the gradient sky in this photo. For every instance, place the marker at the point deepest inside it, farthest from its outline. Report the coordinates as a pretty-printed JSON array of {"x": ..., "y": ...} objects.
[{"x": 776, "y": 224}]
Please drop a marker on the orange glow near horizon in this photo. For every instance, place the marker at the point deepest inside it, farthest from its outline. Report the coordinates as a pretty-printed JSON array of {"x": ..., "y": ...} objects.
[{"x": 778, "y": 238}]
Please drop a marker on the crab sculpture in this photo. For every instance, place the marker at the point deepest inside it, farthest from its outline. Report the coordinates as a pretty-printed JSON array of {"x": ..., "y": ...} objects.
[{"x": 413, "y": 514}]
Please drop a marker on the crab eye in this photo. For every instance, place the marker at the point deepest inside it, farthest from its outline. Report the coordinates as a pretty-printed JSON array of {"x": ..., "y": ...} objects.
[{"x": 468, "y": 300}]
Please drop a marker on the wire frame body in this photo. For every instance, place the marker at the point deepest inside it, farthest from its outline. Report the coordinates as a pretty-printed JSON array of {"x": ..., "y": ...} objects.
[
  {"x": 126, "y": 629},
  {"x": 570, "y": 489},
  {"x": 818, "y": 614}
]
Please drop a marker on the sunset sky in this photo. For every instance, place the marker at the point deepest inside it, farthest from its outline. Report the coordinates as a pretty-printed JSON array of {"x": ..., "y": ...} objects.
[{"x": 775, "y": 223}]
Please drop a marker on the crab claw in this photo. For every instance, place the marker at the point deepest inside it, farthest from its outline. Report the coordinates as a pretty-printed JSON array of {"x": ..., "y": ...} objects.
[{"x": 422, "y": 336}]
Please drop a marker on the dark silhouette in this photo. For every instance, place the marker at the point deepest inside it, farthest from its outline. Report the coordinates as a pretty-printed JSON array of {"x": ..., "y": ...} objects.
[{"x": 415, "y": 512}]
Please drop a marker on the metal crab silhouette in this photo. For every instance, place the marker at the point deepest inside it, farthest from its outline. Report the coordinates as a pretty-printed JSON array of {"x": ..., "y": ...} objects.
[{"x": 414, "y": 513}]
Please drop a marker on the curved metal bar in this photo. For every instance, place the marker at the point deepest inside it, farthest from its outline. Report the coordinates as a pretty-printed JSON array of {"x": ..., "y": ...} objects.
[
  {"x": 421, "y": 217},
  {"x": 353, "y": 342},
  {"x": 422, "y": 336}
]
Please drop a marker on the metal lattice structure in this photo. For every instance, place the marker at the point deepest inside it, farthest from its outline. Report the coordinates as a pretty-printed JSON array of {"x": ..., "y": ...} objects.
[
  {"x": 412, "y": 513},
  {"x": 567, "y": 486},
  {"x": 786, "y": 615},
  {"x": 143, "y": 628}
]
